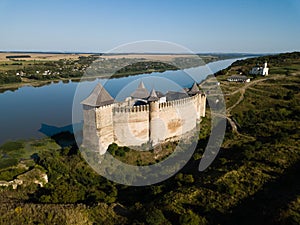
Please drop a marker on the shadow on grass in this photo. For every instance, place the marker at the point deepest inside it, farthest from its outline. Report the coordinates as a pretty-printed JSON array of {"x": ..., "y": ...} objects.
[
  {"x": 63, "y": 136},
  {"x": 264, "y": 206}
]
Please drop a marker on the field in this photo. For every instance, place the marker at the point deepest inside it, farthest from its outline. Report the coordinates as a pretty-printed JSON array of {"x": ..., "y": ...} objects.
[
  {"x": 40, "y": 56},
  {"x": 56, "y": 57},
  {"x": 156, "y": 57}
]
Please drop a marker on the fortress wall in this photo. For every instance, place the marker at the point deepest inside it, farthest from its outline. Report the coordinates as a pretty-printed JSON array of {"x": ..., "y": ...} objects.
[
  {"x": 177, "y": 117},
  {"x": 196, "y": 101},
  {"x": 202, "y": 107},
  {"x": 122, "y": 109},
  {"x": 104, "y": 123},
  {"x": 180, "y": 102},
  {"x": 90, "y": 137},
  {"x": 131, "y": 125}
]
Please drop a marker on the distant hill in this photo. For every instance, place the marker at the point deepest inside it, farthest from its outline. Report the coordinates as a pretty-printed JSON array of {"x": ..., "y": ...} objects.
[
  {"x": 278, "y": 59},
  {"x": 282, "y": 63}
]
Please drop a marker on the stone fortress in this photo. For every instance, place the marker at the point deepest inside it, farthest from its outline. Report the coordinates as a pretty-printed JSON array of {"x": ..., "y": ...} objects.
[{"x": 143, "y": 118}]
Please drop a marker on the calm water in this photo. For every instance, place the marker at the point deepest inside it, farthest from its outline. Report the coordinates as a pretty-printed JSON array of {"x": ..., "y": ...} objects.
[{"x": 32, "y": 112}]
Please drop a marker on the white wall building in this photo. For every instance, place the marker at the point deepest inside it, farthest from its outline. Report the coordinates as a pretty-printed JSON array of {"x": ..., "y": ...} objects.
[
  {"x": 259, "y": 70},
  {"x": 243, "y": 79}
]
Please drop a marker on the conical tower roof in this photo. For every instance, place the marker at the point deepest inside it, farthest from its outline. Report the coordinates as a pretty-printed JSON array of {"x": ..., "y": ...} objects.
[
  {"x": 153, "y": 96},
  {"x": 160, "y": 94},
  {"x": 141, "y": 92},
  {"x": 98, "y": 97},
  {"x": 194, "y": 89},
  {"x": 141, "y": 85}
]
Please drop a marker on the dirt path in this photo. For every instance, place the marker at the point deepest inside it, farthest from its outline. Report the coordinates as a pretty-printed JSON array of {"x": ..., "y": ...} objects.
[
  {"x": 241, "y": 98},
  {"x": 248, "y": 85},
  {"x": 242, "y": 91}
]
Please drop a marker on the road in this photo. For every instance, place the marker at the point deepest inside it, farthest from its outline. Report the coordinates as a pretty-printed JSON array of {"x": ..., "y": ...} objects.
[{"x": 242, "y": 91}]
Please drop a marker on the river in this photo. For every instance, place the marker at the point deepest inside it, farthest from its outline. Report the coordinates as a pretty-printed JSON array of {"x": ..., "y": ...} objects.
[{"x": 33, "y": 112}]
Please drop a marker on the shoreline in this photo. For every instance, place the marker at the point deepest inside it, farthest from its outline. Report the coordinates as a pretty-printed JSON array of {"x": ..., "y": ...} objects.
[
  {"x": 12, "y": 89},
  {"x": 40, "y": 83}
]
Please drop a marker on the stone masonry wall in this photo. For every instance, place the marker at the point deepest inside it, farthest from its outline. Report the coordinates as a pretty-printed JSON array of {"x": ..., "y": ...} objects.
[
  {"x": 134, "y": 126},
  {"x": 105, "y": 129},
  {"x": 90, "y": 137},
  {"x": 131, "y": 125},
  {"x": 177, "y": 117}
]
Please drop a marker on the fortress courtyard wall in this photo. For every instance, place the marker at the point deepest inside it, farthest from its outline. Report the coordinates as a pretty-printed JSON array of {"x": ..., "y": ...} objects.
[
  {"x": 177, "y": 117},
  {"x": 131, "y": 125}
]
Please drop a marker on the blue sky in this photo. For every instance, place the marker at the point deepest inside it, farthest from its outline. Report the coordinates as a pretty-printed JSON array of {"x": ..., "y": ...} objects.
[{"x": 200, "y": 25}]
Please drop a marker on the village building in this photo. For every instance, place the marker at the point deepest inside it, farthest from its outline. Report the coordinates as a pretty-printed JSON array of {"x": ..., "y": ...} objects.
[
  {"x": 259, "y": 70},
  {"x": 239, "y": 78}
]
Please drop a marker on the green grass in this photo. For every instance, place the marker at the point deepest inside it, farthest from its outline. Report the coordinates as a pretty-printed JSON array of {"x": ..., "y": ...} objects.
[
  {"x": 232, "y": 99},
  {"x": 9, "y": 147},
  {"x": 136, "y": 157},
  {"x": 9, "y": 174},
  {"x": 8, "y": 162},
  {"x": 291, "y": 212},
  {"x": 228, "y": 87},
  {"x": 12, "y": 152},
  {"x": 13, "y": 65},
  {"x": 16, "y": 156}
]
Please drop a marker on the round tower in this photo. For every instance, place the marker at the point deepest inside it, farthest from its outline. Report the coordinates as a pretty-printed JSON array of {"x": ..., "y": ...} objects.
[
  {"x": 202, "y": 105},
  {"x": 154, "y": 123}
]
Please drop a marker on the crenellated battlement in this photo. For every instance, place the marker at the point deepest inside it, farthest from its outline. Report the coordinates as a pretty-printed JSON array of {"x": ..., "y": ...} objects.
[
  {"x": 179, "y": 102},
  {"x": 105, "y": 107},
  {"x": 120, "y": 108},
  {"x": 127, "y": 109},
  {"x": 156, "y": 121}
]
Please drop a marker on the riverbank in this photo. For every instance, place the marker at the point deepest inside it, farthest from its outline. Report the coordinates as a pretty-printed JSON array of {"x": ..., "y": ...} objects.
[
  {"x": 15, "y": 68},
  {"x": 39, "y": 83},
  {"x": 40, "y": 69},
  {"x": 51, "y": 102}
]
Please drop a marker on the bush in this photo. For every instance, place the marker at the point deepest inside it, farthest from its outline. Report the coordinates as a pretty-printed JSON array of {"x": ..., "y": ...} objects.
[
  {"x": 155, "y": 216},
  {"x": 11, "y": 173},
  {"x": 192, "y": 219},
  {"x": 11, "y": 146},
  {"x": 185, "y": 178},
  {"x": 120, "y": 152},
  {"x": 6, "y": 162},
  {"x": 112, "y": 148},
  {"x": 9, "y": 79}
]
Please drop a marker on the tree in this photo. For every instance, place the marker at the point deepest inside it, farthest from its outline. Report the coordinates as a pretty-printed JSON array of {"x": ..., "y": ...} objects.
[
  {"x": 155, "y": 217},
  {"x": 112, "y": 148},
  {"x": 191, "y": 218}
]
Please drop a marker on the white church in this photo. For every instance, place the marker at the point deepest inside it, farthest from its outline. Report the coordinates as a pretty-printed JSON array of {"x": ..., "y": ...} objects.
[{"x": 259, "y": 70}]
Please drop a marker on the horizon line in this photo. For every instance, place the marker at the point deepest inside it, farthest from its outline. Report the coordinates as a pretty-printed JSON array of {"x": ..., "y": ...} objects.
[{"x": 140, "y": 53}]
